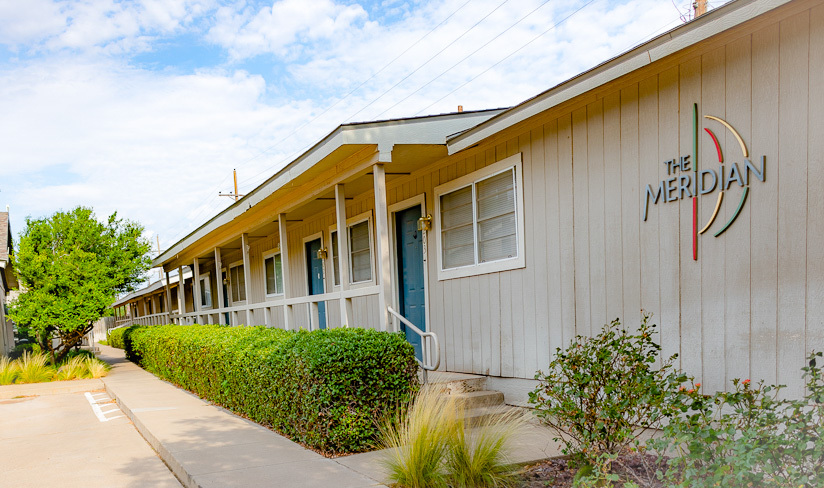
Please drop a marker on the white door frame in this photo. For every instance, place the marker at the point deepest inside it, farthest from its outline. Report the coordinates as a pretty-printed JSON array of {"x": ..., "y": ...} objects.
[{"x": 417, "y": 200}]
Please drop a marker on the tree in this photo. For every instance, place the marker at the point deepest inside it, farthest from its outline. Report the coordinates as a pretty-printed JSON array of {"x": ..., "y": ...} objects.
[{"x": 70, "y": 268}]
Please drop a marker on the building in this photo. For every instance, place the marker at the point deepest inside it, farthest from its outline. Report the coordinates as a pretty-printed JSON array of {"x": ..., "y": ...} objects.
[
  {"x": 8, "y": 281},
  {"x": 682, "y": 177}
]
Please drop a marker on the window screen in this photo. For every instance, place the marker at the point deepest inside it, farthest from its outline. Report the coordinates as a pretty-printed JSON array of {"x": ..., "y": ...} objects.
[
  {"x": 457, "y": 242},
  {"x": 335, "y": 257},
  {"x": 274, "y": 275},
  {"x": 479, "y": 222},
  {"x": 238, "y": 284},
  {"x": 360, "y": 253}
]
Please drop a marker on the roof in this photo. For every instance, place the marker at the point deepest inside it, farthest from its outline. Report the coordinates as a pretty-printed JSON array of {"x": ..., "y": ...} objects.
[
  {"x": 385, "y": 134},
  {"x": 713, "y": 22},
  {"x": 152, "y": 287}
]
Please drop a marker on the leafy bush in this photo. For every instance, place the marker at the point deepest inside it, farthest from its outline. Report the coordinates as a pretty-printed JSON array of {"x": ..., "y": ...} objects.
[
  {"x": 325, "y": 388},
  {"x": 749, "y": 436},
  {"x": 602, "y": 393},
  {"x": 116, "y": 337},
  {"x": 429, "y": 445}
]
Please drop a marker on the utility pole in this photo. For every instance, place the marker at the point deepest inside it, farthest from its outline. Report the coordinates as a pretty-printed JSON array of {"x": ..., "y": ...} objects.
[
  {"x": 235, "y": 195},
  {"x": 160, "y": 270},
  {"x": 700, "y": 7}
]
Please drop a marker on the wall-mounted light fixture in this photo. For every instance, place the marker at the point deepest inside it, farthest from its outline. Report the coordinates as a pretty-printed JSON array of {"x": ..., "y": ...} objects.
[
  {"x": 425, "y": 223},
  {"x": 322, "y": 253}
]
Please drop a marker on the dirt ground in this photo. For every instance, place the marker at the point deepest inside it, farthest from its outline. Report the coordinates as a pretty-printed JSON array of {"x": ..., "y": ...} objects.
[{"x": 560, "y": 473}]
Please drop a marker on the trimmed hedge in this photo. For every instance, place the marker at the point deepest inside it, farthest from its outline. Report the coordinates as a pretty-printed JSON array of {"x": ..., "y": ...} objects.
[
  {"x": 116, "y": 337},
  {"x": 327, "y": 389}
]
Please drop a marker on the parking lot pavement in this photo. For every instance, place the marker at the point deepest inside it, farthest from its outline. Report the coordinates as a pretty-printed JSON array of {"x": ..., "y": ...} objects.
[{"x": 75, "y": 439}]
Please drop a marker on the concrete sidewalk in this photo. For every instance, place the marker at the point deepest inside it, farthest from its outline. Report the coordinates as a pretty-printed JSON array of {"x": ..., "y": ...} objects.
[{"x": 208, "y": 446}]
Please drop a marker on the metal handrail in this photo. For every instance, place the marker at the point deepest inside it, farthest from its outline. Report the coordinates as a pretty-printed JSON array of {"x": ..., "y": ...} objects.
[{"x": 426, "y": 350}]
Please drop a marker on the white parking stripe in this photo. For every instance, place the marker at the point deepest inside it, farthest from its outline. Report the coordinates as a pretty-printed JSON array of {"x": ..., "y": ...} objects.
[{"x": 101, "y": 415}]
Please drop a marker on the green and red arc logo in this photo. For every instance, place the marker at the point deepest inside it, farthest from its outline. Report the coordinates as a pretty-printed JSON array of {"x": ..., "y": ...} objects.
[{"x": 685, "y": 180}]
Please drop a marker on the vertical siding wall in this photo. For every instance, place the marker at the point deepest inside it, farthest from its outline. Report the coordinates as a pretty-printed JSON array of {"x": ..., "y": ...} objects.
[{"x": 752, "y": 305}]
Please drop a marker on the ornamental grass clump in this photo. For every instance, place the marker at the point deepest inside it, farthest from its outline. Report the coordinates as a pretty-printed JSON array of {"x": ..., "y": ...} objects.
[
  {"x": 429, "y": 445},
  {"x": 34, "y": 368},
  {"x": 602, "y": 393},
  {"x": 96, "y": 368},
  {"x": 74, "y": 368},
  {"x": 418, "y": 438},
  {"x": 749, "y": 436},
  {"x": 8, "y": 370}
]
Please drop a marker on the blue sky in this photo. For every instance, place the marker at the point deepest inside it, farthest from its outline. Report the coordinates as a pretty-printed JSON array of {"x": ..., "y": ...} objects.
[{"x": 145, "y": 107}]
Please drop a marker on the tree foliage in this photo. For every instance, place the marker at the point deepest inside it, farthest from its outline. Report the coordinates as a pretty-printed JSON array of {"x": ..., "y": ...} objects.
[{"x": 71, "y": 267}]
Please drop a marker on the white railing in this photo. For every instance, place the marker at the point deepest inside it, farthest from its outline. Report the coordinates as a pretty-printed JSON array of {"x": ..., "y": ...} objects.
[
  {"x": 238, "y": 313},
  {"x": 430, "y": 348},
  {"x": 153, "y": 319}
]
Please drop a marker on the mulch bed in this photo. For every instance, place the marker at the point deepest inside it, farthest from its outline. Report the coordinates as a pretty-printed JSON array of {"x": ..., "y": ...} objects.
[{"x": 559, "y": 472}]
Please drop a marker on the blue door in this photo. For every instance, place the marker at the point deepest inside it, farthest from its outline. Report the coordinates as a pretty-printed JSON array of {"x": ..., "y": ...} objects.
[
  {"x": 315, "y": 270},
  {"x": 412, "y": 293}
]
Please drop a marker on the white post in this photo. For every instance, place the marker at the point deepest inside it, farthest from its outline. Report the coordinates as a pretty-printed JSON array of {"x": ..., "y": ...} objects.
[
  {"x": 219, "y": 283},
  {"x": 196, "y": 299},
  {"x": 288, "y": 320},
  {"x": 181, "y": 294},
  {"x": 168, "y": 297},
  {"x": 382, "y": 251},
  {"x": 343, "y": 254},
  {"x": 247, "y": 275}
]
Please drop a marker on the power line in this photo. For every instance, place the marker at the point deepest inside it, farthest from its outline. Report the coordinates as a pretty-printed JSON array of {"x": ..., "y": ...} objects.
[
  {"x": 427, "y": 61},
  {"x": 467, "y": 57},
  {"x": 442, "y": 22}
]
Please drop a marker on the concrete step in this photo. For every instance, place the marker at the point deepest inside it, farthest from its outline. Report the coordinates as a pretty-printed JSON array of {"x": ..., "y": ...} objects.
[
  {"x": 478, "y": 399},
  {"x": 476, "y": 417},
  {"x": 452, "y": 383}
]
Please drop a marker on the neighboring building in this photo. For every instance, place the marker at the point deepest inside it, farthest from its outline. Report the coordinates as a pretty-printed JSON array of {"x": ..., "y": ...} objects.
[
  {"x": 591, "y": 201},
  {"x": 8, "y": 280}
]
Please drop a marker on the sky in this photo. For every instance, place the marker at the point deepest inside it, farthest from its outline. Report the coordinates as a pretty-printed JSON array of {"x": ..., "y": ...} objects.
[{"x": 144, "y": 107}]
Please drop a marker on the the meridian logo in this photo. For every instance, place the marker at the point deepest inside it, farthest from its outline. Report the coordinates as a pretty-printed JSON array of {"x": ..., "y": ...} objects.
[{"x": 685, "y": 180}]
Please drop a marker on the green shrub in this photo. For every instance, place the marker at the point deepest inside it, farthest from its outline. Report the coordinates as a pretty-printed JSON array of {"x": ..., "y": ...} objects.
[
  {"x": 325, "y": 388},
  {"x": 603, "y": 392},
  {"x": 748, "y": 437},
  {"x": 116, "y": 337}
]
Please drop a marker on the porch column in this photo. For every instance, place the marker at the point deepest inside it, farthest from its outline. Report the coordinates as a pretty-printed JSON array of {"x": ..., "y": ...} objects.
[
  {"x": 382, "y": 248},
  {"x": 247, "y": 275},
  {"x": 288, "y": 318},
  {"x": 168, "y": 296},
  {"x": 219, "y": 283},
  {"x": 181, "y": 294},
  {"x": 343, "y": 255},
  {"x": 196, "y": 301}
]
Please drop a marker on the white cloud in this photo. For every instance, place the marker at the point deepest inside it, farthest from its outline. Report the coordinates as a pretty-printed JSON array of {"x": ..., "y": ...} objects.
[{"x": 282, "y": 26}]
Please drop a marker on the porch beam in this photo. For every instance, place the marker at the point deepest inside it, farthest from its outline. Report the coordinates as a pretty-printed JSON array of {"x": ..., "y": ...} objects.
[
  {"x": 168, "y": 296},
  {"x": 343, "y": 254},
  {"x": 219, "y": 283},
  {"x": 181, "y": 293},
  {"x": 197, "y": 300},
  {"x": 382, "y": 248},
  {"x": 288, "y": 319},
  {"x": 247, "y": 275}
]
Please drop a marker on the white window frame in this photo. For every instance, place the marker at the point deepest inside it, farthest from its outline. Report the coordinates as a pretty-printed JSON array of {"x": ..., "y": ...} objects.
[
  {"x": 518, "y": 261},
  {"x": 271, "y": 253},
  {"x": 357, "y": 219},
  {"x": 211, "y": 305},
  {"x": 229, "y": 275}
]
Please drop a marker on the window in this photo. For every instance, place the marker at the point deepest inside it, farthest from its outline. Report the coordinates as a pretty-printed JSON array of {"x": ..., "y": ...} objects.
[
  {"x": 205, "y": 292},
  {"x": 273, "y": 273},
  {"x": 335, "y": 258},
  {"x": 238, "y": 282},
  {"x": 360, "y": 252},
  {"x": 360, "y": 249},
  {"x": 481, "y": 221},
  {"x": 161, "y": 303}
]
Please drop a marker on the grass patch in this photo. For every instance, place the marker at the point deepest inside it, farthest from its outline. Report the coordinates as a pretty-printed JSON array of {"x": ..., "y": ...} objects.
[{"x": 36, "y": 368}]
